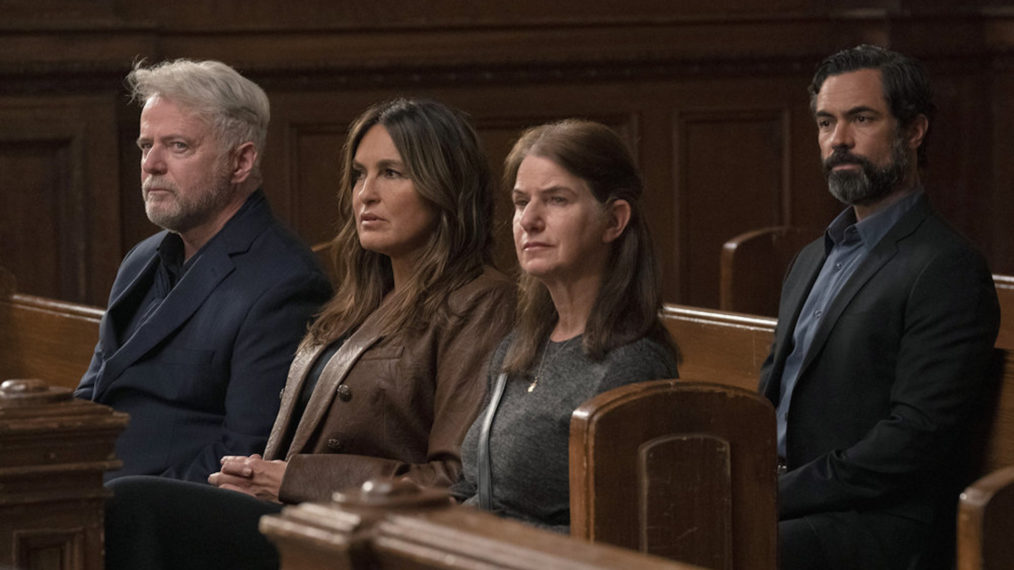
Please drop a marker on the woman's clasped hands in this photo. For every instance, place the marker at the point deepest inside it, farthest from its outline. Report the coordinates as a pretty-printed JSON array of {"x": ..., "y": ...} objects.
[{"x": 252, "y": 475}]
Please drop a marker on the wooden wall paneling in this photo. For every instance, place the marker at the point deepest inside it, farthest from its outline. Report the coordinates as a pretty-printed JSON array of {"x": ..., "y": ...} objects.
[
  {"x": 59, "y": 209},
  {"x": 322, "y": 63},
  {"x": 314, "y": 159},
  {"x": 730, "y": 178},
  {"x": 957, "y": 172},
  {"x": 1001, "y": 199}
]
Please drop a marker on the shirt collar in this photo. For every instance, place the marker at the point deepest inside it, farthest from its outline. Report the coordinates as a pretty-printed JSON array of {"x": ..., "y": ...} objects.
[{"x": 845, "y": 230}]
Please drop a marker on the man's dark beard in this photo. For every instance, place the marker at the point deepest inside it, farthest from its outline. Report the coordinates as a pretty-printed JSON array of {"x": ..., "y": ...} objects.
[{"x": 869, "y": 183}]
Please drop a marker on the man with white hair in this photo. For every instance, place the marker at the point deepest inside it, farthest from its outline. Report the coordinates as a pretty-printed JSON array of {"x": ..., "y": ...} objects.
[{"x": 205, "y": 316}]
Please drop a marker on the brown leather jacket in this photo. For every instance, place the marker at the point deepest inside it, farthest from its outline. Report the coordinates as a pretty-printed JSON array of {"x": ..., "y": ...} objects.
[{"x": 393, "y": 406}]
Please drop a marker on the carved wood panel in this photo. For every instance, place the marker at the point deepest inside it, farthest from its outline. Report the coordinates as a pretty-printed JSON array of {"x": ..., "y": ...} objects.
[
  {"x": 730, "y": 178},
  {"x": 59, "y": 211}
]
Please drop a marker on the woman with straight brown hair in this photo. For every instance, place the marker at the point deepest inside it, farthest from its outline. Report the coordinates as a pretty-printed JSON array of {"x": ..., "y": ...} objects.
[
  {"x": 587, "y": 316},
  {"x": 389, "y": 377}
]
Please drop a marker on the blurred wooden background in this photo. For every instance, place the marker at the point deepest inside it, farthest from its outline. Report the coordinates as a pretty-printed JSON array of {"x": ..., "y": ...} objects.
[{"x": 711, "y": 95}]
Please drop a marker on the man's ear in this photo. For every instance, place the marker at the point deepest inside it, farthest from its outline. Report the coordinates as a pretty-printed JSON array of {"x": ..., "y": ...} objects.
[
  {"x": 617, "y": 216},
  {"x": 916, "y": 131},
  {"x": 243, "y": 159}
]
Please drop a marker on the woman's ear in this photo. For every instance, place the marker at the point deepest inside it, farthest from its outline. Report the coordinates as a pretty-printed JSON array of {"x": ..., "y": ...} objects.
[
  {"x": 243, "y": 160},
  {"x": 617, "y": 217}
]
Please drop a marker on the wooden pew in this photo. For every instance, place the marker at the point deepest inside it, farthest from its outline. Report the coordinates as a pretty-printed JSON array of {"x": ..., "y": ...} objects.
[
  {"x": 719, "y": 346},
  {"x": 753, "y": 264},
  {"x": 45, "y": 338},
  {"x": 391, "y": 525},
  {"x": 680, "y": 469},
  {"x": 54, "y": 451},
  {"x": 985, "y": 522}
]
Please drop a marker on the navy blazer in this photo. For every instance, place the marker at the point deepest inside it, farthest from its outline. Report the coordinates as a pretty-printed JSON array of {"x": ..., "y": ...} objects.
[
  {"x": 894, "y": 372},
  {"x": 201, "y": 377}
]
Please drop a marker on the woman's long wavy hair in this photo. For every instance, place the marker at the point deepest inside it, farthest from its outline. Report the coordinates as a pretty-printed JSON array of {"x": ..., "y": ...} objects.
[
  {"x": 445, "y": 162},
  {"x": 629, "y": 299}
]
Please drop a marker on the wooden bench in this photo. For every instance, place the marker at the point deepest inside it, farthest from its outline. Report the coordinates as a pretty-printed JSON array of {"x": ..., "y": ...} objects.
[
  {"x": 985, "y": 522},
  {"x": 385, "y": 525},
  {"x": 720, "y": 346},
  {"x": 680, "y": 469},
  {"x": 53, "y": 452},
  {"x": 753, "y": 264},
  {"x": 45, "y": 338}
]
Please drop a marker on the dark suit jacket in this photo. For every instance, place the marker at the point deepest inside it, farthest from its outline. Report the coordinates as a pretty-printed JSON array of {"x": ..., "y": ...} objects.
[
  {"x": 200, "y": 379},
  {"x": 397, "y": 405},
  {"x": 891, "y": 378}
]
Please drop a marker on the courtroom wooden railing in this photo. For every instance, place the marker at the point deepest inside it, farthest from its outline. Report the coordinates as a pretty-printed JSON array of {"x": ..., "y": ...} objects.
[{"x": 394, "y": 525}]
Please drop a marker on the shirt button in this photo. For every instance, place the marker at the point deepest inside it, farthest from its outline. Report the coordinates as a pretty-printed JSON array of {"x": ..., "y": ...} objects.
[
  {"x": 837, "y": 266},
  {"x": 281, "y": 393},
  {"x": 818, "y": 313},
  {"x": 335, "y": 445},
  {"x": 344, "y": 393}
]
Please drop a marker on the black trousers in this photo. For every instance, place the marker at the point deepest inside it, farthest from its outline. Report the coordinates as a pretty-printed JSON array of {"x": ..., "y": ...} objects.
[
  {"x": 155, "y": 523},
  {"x": 851, "y": 540}
]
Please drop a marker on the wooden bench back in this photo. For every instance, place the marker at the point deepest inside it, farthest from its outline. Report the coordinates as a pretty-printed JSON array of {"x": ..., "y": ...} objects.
[
  {"x": 680, "y": 469},
  {"x": 753, "y": 264},
  {"x": 325, "y": 257},
  {"x": 985, "y": 523},
  {"x": 719, "y": 346},
  {"x": 997, "y": 421},
  {"x": 46, "y": 339}
]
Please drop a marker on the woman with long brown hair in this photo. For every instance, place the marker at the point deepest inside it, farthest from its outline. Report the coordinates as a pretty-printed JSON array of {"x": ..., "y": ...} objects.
[{"x": 587, "y": 316}]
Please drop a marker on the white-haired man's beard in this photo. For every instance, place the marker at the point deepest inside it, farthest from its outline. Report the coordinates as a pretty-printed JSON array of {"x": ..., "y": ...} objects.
[
  {"x": 179, "y": 213},
  {"x": 870, "y": 183}
]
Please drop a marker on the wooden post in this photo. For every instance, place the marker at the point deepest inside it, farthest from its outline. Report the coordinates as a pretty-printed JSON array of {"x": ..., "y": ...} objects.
[{"x": 53, "y": 452}]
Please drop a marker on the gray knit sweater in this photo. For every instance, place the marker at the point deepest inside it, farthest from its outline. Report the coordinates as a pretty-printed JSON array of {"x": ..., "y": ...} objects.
[{"x": 529, "y": 436}]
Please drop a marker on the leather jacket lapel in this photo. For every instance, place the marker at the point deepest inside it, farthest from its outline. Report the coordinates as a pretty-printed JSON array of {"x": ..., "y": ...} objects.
[
  {"x": 332, "y": 376},
  {"x": 300, "y": 367}
]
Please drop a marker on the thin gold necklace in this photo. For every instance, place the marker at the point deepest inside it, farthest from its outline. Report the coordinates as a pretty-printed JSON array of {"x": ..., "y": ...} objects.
[{"x": 538, "y": 371}]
